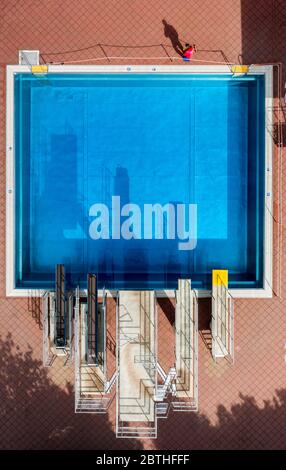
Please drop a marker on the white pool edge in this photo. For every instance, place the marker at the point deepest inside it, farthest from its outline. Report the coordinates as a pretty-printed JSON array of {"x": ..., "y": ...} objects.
[{"x": 266, "y": 70}]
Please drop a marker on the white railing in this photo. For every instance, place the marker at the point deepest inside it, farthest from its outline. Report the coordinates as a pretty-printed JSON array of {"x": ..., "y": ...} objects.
[
  {"x": 196, "y": 352},
  {"x": 222, "y": 324},
  {"x": 84, "y": 403},
  {"x": 69, "y": 350},
  {"x": 109, "y": 384},
  {"x": 231, "y": 325},
  {"x": 117, "y": 364},
  {"x": 166, "y": 387},
  {"x": 77, "y": 351},
  {"x": 136, "y": 432},
  {"x": 161, "y": 372},
  {"x": 48, "y": 356},
  {"x": 104, "y": 297}
]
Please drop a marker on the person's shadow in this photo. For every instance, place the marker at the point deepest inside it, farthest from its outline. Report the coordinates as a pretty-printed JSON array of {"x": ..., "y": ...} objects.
[{"x": 171, "y": 33}]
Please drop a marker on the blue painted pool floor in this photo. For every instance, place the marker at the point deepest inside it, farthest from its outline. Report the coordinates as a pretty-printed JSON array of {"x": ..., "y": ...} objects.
[{"x": 147, "y": 144}]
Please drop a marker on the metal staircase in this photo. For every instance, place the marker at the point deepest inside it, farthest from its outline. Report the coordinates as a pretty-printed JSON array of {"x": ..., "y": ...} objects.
[
  {"x": 162, "y": 390},
  {"x": 139, "y": 432},
  {"x": 87, "y": 405},
  {"x": 136, "y": 364},
  {"x": 162, "y": 409}
]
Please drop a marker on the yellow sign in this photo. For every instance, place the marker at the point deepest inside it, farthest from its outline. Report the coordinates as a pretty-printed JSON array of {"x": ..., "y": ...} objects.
[
  {"x": 220, "y": 277},
  {"x": 39, "y": 69},
  {"x": 239, "y": 69}
]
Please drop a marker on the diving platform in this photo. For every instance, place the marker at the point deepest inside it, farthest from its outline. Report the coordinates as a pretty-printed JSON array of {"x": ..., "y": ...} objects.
[
  {"x": 186, "y": 329},
  {"x": 57, "y": 320},
  {"x": 222, "y": 324},
  {"x": 136, "y": 363},
  {"x": 61, "y": 325},
  {"x": 91, "y": 384},
  {"x": 95, "y": 324}
]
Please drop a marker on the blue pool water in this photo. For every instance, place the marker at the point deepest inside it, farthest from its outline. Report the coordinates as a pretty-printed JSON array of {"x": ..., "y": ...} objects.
[{"x": 188, "y": 139}]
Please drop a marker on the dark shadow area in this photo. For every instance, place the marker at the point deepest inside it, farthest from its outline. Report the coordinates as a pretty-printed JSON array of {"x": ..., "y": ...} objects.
[
  {"x": 245, "y": 426},
  {"x": 204, "y": 321},
  {"x": 104, "y": 49},
  {"x": 111, "y": 332},
  {"x": 172, "y": 34},
  {"x": 167, "y": 308},
  {"x": 279, "y": 134},
  {"x": 257, "y": 31},
  {"x": 121, "y": 185},
  {"x": 263, "y": 36},
  {"x": 110, "y": 343},
  {"x": 35, "y": 308},
  {"x": 204, "y": 313},
  {"x": 38, "y": 414}
]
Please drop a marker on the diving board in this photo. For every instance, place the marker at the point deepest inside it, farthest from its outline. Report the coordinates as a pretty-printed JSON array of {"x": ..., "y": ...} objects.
[
  {"x": 136, "y": 359},
  {"x": 57, "y": 320},
  {"x": 90, "y": 379},
  {"x": 60, "y": 308},
  {"x": 222, "y": 324},
  {"x": 186, "y": 327},
  {"x": 51, "y": 347},
  {"x": 92, "y": 319}
]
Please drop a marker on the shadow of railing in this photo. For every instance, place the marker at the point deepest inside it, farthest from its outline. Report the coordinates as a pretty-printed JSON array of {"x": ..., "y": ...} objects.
[{"x": 35, "y": 308}]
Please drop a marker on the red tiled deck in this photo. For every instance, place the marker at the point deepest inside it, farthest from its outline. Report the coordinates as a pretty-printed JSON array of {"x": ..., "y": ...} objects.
[{"x": 240, "y": 406}]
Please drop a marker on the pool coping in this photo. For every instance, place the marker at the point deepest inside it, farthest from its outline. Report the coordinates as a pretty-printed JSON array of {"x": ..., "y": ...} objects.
[{"x": 266, "y": 70}]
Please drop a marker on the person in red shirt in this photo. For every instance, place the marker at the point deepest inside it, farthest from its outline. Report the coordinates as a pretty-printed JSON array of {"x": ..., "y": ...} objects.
[{"x": 188, "y": 52}]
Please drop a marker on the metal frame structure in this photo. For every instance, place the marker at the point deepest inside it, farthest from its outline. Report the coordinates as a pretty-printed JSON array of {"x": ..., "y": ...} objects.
[
  {"x": 61, "y": 314},
  {"x": 76, "y": 352},
  {"x": 92, "y": 320},
  {"x": 94, "y": 401},
  {"x": 48, "y": 355},
  {"x": 187, "y": 334},
  {"x": 58, "y": 322},
  {"x": 222, "y": 323},
  {"x": 146, "y": 358}
]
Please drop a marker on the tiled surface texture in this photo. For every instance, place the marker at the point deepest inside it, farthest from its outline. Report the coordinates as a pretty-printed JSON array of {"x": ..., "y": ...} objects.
[{"x": 240, "y": 406}]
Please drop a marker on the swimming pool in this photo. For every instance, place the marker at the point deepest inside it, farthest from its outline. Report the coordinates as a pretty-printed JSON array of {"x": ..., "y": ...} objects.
[{"x": 185, "y": 138}]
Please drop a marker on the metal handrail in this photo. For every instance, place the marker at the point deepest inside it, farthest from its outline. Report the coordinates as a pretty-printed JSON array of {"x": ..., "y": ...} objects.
[
  {"x": 48, "y": 356},
  {"x": 77, "y": 351},
  {"x": 190, "y": 337}
]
